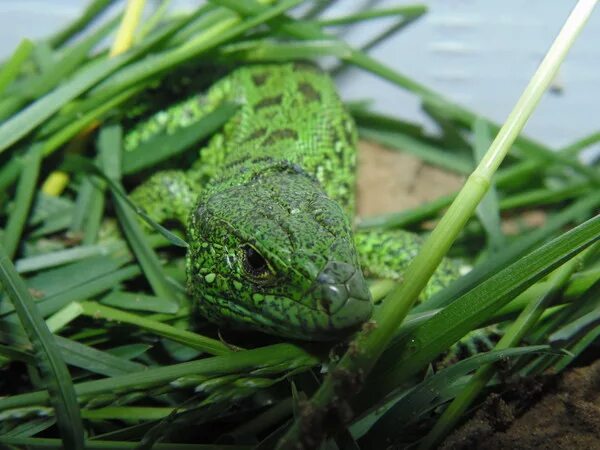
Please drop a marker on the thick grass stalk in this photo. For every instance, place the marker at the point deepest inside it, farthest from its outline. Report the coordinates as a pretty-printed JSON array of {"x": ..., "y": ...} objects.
[{"x": 369, "y": 345}]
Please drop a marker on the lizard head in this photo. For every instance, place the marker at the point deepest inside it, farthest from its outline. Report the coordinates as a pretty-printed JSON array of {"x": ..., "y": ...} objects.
[{"x": 276, "y": 254}]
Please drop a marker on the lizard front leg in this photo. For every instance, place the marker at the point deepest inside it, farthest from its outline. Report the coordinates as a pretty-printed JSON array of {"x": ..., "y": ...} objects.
[{"x": 167, "y": 195}]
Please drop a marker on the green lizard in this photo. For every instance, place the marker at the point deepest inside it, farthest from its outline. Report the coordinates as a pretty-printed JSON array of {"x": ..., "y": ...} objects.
[{"x": 269, "y": 205}]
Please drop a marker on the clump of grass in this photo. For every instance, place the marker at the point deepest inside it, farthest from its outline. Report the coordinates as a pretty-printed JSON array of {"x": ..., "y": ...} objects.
[{"x": 95, "y": 322}]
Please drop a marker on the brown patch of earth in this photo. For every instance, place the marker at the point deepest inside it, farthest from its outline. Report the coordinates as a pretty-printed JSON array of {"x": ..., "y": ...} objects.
[
  {"x": 561, "y": 415},
  {"x": 391, "y": 181}
]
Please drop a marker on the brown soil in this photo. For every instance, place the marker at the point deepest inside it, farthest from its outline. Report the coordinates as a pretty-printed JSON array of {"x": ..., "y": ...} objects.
[
  {"x": 560, "y": 412},
  {"x": 390, "y": 181}
]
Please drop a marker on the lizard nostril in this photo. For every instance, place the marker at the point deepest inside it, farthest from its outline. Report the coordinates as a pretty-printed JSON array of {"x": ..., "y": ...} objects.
[{"x": 330, "y": 297}]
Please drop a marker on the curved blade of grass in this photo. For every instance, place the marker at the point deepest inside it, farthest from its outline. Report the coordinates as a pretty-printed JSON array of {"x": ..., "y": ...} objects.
[
  {"x": 23, "y": 200},
  {"x": 96, "y": 361},
  {"x": 23, "y": 122},
  {"x": 30, "y": 428},
  {"x": 51, "y": 365},
  {"x": 194, "y": 340},
  {"x": 547, "y": 196},
  {"x": 588, "y": 338},
  {"x": 60, "y": 66},
  {"x": 11, "y": 68},
  {"x": 74, "y": 354},
  {"x": 579, "y": 327}
]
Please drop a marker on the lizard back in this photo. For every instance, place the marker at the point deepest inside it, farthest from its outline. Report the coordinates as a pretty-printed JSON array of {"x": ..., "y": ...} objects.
[{"x": 290, "y": 113}]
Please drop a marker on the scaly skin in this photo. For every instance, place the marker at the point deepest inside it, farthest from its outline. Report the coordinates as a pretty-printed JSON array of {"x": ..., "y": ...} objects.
[{"x": 268, "y": 207}]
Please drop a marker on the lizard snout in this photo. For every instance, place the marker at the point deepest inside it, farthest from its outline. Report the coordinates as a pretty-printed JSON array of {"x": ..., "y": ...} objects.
[{"x": 342, "y": 293}]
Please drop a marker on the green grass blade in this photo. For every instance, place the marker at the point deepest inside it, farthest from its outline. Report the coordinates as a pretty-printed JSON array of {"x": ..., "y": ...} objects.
[
  {"x": 23, "y": 200},
  {"x": 97, "y": 285},
  {"x": 88, "y": 210},
  {"x": 488, "y": 210},
  {"x": 188, "y": 338},
  {"x": 140, "y": 302},
  {"x": 91, "y": 12},
  {"x": 22, "y": 123},
  {"x": 109, "y": 144},
  {"x": 268, "y": 50},
  {"x": 66, "y": 63},
  {"x": 547, "y": 196},
  {"x": 74, "y": 354},
  {"x": 58, "y": 258},
  {"x": 11, "y": 68},
  {"x": 51, "y": 365},
  {"x": 94, "y": 360},
  {"x": 408, "y": 11}
]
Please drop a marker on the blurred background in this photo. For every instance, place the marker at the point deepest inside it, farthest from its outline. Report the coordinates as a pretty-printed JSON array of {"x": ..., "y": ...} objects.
[{"x": 476, "y": 52}]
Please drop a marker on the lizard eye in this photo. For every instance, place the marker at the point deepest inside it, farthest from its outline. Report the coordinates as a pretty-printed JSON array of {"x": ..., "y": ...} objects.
[{"x": 255, "y": 264}]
